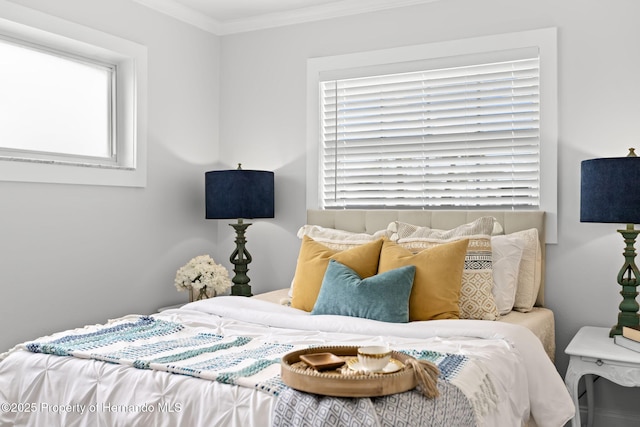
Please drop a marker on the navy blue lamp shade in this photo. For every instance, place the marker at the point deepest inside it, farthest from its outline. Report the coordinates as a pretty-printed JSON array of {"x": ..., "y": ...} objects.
[
  {"x": 239, "y": 193},
  {"x": 610, "y": 190}
]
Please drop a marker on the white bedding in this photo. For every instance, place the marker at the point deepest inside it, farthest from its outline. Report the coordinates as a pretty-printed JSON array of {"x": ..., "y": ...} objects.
[
  {"x": 539, "y": 320},
  {"x": 37, "y": 389}
]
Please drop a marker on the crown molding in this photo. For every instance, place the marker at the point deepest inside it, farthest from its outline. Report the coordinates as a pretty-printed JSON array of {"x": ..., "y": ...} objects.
[
  {"x": 271, "y": 20},
  {"x": 185, "y": 14},
  {"x": 314, "y": 13}
]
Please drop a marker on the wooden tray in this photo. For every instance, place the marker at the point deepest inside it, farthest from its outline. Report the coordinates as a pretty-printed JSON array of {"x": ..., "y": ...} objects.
[{"x": 344, "y": 382}]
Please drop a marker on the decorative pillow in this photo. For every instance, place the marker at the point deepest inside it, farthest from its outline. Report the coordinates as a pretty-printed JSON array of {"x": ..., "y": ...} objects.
[
  {"x": 507, "y": 253},
  {"x": 313, "y": 259},
  {"x": 485, "y": 225},
  {"x": 438, "y": 276},
  {"x": 530, "y": 274},
  {"x": 338, "y": 239},
  {"x": 476, "y": 297},
  {"x": 383, "y": 297}
]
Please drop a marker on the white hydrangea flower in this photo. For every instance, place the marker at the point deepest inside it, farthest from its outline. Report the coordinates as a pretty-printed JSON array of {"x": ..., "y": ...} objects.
[{"x": 203, "y": 272}]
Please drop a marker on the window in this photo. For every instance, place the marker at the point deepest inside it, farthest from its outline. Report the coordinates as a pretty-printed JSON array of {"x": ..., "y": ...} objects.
[
  {"x": 454, "y": 125},
  {"x": 464, "y": 136},
  {"x": 73, "y": 108},
  {"x": 55, "y": 107}
]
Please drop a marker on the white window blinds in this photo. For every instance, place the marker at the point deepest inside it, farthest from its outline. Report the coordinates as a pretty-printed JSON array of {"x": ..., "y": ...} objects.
[{"x": 465, "y": 136}]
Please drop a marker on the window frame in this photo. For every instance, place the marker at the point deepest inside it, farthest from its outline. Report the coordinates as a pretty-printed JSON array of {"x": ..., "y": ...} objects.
[
  {"x": 129, "y": 62},
  {"x": 403, "y": 58}
]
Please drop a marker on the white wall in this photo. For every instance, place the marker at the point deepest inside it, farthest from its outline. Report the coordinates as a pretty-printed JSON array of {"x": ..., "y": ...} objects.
[
  {"x": 262, "y": 121},
  {"x": 72, "y": 255}
]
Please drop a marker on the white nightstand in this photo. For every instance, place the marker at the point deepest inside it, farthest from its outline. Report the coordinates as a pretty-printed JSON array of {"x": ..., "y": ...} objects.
[{"x": 594, "y": 353}]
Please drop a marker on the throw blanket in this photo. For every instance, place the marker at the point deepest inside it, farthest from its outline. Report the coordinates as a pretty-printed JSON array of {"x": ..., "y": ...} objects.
[{"x": 145, "y": 342}]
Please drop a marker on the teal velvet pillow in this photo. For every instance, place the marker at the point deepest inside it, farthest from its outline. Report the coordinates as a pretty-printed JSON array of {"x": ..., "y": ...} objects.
[{"x": 383, "y": 297}]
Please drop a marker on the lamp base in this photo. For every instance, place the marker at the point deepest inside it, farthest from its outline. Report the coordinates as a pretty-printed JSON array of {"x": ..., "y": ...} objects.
[
  {"x": 628, "y": 279},
  {"x": 241, "y": 290},
  {"x": 240, "y": 258}
]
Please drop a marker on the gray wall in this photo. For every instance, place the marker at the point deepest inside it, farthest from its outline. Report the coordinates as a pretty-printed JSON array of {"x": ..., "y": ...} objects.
[{"x": 73, "y": 255}]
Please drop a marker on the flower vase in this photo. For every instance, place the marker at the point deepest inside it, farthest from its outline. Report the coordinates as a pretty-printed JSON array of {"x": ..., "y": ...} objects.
[{"x": 199, "y": 294}]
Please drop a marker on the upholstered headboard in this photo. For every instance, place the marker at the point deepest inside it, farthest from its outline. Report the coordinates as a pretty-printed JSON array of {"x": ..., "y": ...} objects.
[{"x": 370, "y": 221}]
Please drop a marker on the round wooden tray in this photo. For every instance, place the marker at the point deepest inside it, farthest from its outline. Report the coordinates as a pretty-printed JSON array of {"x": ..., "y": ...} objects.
[{"x": 344, "y": 382}]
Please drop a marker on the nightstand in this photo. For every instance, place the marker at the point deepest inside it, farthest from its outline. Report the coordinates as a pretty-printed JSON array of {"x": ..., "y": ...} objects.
[{"x": 594, "y": 353}]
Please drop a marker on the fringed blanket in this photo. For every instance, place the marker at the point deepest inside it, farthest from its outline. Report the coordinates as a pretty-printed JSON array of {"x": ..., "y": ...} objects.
[{"x": 145, "y": 342}]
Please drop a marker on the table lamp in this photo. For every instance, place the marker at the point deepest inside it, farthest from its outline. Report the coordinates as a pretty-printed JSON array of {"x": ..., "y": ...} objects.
[
  {"x": 610, "y": 193},
  {"x": 239, "y": 194}
]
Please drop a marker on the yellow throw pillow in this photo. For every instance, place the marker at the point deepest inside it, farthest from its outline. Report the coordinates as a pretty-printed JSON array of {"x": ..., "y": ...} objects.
[
  {"x": 438, "y": 278},
  {"x": 313, "y": 260},
  {"x": 476, "y": 297}
]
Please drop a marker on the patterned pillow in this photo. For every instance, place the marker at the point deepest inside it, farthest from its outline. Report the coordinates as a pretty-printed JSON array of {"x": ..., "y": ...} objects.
[
  {"x": 476, "y": 297},
  {"x": 486, "y": 225}
]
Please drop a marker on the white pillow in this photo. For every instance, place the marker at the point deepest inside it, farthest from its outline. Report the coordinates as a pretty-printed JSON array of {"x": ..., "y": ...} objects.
[
  {"x": 507, "y": 253},
  {"x": 338, "y": 239},
  {"x": 530, "y": 274}
]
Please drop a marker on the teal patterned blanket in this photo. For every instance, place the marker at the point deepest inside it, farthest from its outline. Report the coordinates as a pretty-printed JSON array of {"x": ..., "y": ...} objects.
[{"x": 145, "y": 342}]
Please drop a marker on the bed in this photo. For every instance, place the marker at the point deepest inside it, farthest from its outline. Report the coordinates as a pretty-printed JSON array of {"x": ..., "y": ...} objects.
[{"x": 217, "y": 361}]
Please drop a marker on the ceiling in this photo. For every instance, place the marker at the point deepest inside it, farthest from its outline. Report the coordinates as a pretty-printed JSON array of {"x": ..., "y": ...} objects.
[{"x": 233, "y": 16}]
